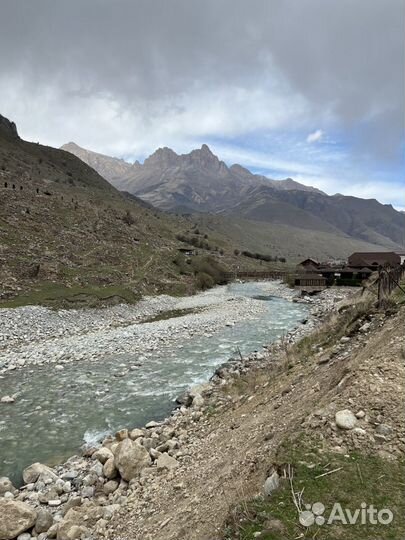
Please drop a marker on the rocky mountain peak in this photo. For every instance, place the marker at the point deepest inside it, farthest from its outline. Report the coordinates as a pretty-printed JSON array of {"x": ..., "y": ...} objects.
[
  {"x": 162, "y": 157},
  {"x": 8, "y": 128}
]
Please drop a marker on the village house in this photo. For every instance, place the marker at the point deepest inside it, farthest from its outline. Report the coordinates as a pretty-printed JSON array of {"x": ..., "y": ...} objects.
[{"x": 373, "y": 260}]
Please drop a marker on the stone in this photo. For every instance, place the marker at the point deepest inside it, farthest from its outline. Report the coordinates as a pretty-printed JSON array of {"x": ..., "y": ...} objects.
[
  {"x": 274, "y": 526},
  {"x": 165, "y": 461},
  {"x": 73, "y": 502},
  {"x": 44, "y": 521},
  {"x": 383, "y": 429},
  {"x": 152, "y": 424},
  {"x": 90, "y": 479},
  {"x": 360, "y": 415},
  {"x": 130, "y": 458},
  {"x": 6, "y": 485},
  {"x": 103, "y": 454},
  {"x": 34, "y": 471},
  {"x": 24, "y": 536},
  {"x": 110, "y": 487},
  {"x": 70, "y": 475},
  {"x": 344, "y": 339},
  {"x": 121, "y": 435},
  {"x": 88, "y": 492},
  {"x": 78, "y": 521},
  {"x": 198, "y": 401},
  {"x": 54, "y": 502},
  {"x": 52, "y": 531},
  {"x": 109, "y": 469},
  {"x": 7, "y": 399},
  {"x": 16, "y": 518},
  {"x": 135, "y": 434},
  {"x": 345, "y": 419},
  {"x": 72, "y": 532},
  {"x": 272, "y": 483}
]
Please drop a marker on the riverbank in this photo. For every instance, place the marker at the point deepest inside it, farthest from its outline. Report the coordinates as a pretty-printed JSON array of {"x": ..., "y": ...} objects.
[
  {"x": 83, "y": 478},
  {"x": 34, "y": 336}
]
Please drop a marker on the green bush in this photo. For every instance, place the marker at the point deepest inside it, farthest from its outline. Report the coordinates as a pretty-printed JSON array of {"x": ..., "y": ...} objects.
[{"x": 204, "y": 281}]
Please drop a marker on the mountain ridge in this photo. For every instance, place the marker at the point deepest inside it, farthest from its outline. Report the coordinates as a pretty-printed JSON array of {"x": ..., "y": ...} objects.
[{"x": 200, "y": 182}]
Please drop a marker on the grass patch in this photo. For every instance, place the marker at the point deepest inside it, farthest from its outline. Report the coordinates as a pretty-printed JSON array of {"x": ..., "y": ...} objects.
[
  {"x": 345, "y": 323},
  {"x": 361, "y": 479},
  {"x": 56, "y": 296}
]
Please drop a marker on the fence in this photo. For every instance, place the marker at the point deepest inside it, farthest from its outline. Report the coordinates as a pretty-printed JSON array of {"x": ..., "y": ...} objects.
[
  {"x": 254, "y": 275},
  {"x": 389, "y": 280}
]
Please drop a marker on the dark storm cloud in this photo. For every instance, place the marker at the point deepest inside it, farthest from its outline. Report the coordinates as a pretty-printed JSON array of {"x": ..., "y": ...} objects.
[{"x": 344, "y": 57}]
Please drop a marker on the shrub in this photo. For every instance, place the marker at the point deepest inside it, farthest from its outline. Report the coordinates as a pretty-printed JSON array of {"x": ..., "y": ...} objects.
[
  {"x": 128, "y": 218},
  {"x": 204, "y": 281}
]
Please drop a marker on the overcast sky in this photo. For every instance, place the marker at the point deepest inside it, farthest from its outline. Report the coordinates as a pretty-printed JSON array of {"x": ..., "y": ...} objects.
[{"x": 312, "y": 89}]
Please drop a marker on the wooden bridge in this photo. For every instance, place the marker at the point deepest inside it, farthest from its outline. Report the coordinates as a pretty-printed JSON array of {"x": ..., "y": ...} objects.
[{"x": 255, "y": 275}]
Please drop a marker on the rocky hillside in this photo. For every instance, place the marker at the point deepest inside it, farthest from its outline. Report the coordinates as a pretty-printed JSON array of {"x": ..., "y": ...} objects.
[
  {"x": 112, "y": 169},
  {"x": 67, "y": 232},
  {"x": 200, "y": 182}
]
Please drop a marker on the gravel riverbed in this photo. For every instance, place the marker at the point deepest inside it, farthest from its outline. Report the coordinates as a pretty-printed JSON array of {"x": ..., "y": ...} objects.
[{"x": 35, "y": 335}]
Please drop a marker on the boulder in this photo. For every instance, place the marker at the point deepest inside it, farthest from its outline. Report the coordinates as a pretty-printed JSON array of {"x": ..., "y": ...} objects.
[
  {"x": 383, "y": 429},
  {"x": 36, "y": 470},
  {"x": 272, "y": 483},
  {"x": 345, "y": 419},
  {"x": 16, "y": 518},
  {"x": 130, "y": 458},
  {"x": 110, "y": 487},
  {"x": 135, "y": 434},
  {"x": 78, "y": 521},
  {"x": 198, "y": 401},
  {"x": 102, "y": 454},
  {"x": 44, "y": 521},
  {"x": 165, "y": 461},
  {"x": 6, "y": 485},
  {"x": 109, "y": 469},
  {"x": 121, "y": 435},
  {"x": 7, "y": 399}
]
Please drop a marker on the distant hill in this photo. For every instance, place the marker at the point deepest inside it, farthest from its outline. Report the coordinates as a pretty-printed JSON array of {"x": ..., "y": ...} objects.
[{"x": 200, "y": 182}]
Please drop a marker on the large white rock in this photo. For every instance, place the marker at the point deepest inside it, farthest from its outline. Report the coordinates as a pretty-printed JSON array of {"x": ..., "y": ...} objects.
[
  {"x": 345, "y": 419},
  {"x": 15, "y": 518},
  {"x": 130, "y": 458},
  {"x": 102, "y": 454},
  {"x": 109, "y": 469},
  {"x": 34, "y": 471},
  {"x": 6, "y": 485},
  {"x": 167, "y": 462}
]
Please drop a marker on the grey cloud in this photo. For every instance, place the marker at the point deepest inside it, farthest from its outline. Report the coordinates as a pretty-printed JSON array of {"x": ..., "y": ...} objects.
[{"x": 345, "y": 57}]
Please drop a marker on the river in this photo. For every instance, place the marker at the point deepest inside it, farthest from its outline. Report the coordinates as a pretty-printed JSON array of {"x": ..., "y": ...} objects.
[{"x": 57, "y": 410}]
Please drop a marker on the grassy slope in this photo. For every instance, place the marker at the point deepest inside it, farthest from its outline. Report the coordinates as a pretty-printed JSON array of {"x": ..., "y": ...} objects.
[
  {"x": 68, "y": 237},
  {"x": 293, "y": 243}
]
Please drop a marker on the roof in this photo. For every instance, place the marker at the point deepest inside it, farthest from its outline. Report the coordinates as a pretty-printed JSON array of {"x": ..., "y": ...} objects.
[
  {"x": 314, "y": 261},
  {"x": 373, "y": 257}
]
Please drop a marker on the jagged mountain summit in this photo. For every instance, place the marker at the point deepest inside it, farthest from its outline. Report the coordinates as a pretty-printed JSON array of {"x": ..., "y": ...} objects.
[
  {"x": 200, "y": 182},
  {"x": 197, "y": 181}
]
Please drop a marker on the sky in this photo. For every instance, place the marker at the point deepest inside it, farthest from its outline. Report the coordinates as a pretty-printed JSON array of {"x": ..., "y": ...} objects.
[{"x": 308, "y": 89}]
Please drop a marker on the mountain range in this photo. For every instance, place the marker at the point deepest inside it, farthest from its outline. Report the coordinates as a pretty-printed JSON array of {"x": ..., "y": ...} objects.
[{"x": 198, "y": 182}]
